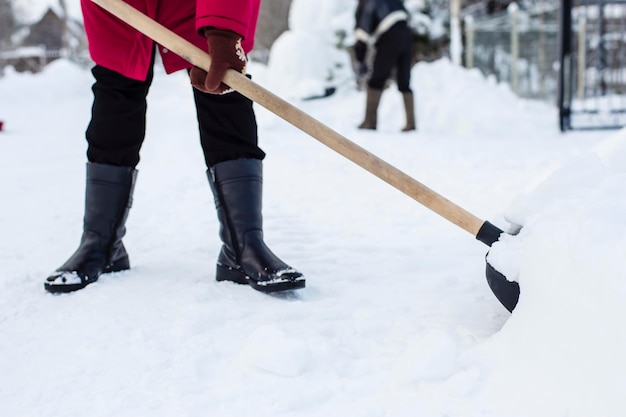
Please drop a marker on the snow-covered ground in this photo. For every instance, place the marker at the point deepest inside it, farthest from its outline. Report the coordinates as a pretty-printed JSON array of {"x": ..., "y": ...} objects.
[{"x": 397, "y": 318}]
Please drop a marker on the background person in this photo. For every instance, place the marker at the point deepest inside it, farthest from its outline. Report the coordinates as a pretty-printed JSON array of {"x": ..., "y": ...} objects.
[{"x": 384, "y": 25}]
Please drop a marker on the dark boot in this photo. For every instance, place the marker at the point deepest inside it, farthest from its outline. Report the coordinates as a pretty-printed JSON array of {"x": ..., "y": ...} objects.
[
  {"x": 371, "y": 109},
  {"x": 409, "y": 107},
  {"x": 245, "y": 259},
  {"x": 108, "y": 198}
]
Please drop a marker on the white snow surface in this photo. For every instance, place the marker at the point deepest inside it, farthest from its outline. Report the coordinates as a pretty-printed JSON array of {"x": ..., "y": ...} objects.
[{"x": 397, "y": 318}]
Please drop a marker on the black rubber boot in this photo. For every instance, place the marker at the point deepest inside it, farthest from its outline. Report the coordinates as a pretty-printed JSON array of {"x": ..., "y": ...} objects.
[
  {"x": 108, "y": 198},
  {"x": 245, "y": 259}
]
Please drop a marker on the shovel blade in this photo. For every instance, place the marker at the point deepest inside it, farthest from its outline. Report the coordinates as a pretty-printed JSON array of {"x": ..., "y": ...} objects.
[{"x": 507, "y": 292}]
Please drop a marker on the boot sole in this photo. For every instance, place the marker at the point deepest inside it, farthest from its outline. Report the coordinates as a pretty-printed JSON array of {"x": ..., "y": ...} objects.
[
  {"x": 279, "y": 286},
  {"x": 225, "y": 273},
  {"x": 118, "y": 266},
  {"x": 65, "y": 288}
]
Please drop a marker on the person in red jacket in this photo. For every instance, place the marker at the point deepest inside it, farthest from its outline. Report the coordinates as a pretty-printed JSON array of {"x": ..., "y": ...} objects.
[{"x": 123, "y": 73}]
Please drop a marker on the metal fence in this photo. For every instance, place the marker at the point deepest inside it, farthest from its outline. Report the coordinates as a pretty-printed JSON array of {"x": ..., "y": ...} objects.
[
  {"x": 35, "y": 58},
  {"x": 592, "y": 92},
  {"x": 517, "y": 47},
  {"x": 572, "y": 53}
]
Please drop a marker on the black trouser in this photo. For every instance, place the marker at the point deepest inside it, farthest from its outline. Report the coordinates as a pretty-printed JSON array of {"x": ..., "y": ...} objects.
[
  {"x": 394, "y": 49},
  {"x": 227, "y": 123}
]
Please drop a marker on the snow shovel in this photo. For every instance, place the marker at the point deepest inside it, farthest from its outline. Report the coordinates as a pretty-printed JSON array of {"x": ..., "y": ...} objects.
[{"x": 507, "y": 292}]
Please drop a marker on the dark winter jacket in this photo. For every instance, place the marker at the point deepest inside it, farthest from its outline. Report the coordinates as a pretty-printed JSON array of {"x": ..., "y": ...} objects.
[{"x": 375, "y": 17}]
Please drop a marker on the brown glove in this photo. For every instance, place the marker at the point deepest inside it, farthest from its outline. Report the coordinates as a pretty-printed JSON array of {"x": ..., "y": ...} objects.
[{"x": 226, "y": 53}]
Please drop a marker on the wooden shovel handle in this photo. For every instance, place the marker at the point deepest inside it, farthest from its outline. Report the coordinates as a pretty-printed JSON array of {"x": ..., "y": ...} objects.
[{"x": 298, "y": 118}]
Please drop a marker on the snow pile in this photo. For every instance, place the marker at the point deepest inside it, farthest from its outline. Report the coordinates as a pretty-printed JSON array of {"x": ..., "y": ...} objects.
[
  {"x": 564, "y": 335},
  {"x": 316, "y": 64}
]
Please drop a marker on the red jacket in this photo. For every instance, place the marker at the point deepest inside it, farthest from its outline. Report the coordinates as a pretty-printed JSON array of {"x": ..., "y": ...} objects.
[{"x": 117, "y": 46}]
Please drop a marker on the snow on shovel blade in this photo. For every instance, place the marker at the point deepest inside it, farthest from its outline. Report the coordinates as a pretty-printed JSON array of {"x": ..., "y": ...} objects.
[{"x": 507, "y": 292}]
